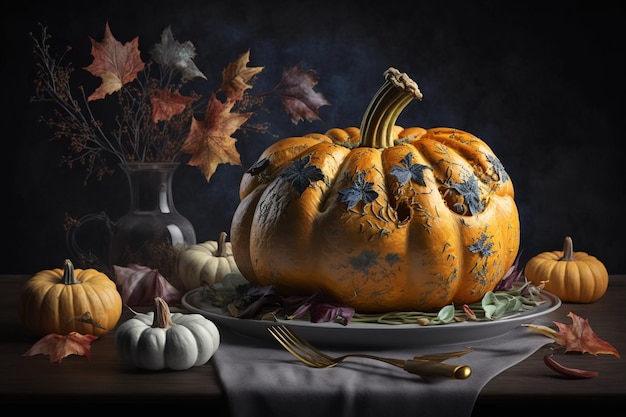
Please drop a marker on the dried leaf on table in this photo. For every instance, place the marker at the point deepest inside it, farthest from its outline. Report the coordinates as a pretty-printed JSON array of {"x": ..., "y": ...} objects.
[
  {"x": 115, "y": 63},
  {"x": 576, "y": 337},
  {"x": 59, "y": 346},
  {"x": 141, "y": 284}
]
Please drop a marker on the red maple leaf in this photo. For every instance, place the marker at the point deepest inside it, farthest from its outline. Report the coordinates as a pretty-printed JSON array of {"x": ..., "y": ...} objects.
[
  {"x": 209, "y": 141},
  {"x": 576, "y": 337},
  {"x": 166, "y": 104},
  {"x": 115, "y": 63},
  {"x": 59, "y": 346}
]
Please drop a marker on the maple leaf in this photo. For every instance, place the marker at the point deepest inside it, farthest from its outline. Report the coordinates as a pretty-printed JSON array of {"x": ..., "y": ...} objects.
[
  {"x": 175, "y": 55},
  {"x": 115, "y": 63},
  {"x": 237, "y": 75},
  {"x": 59, "y": 346},
  {"x": 470, "y": 190},
  {"x": 141, "y": 284},
  {"x": 361, "y": 190},
  {"x": 209, "y": 141},
  {"x": 300, "y": 174},
  {"x": 576, "y": 337},
  {"x": 299, "y": 99},
  {"x": 410, "y": 171},
  {"x": 166, "y": 104},
  {"x": 483, "y": 245}
]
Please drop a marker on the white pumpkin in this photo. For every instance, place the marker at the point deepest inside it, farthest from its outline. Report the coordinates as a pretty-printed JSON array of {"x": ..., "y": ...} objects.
[
  {"x": 206, "y": 262},
  {"x": 163, "y": 340}
]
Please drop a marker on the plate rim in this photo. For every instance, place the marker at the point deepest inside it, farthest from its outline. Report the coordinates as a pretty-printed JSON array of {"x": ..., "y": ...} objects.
[{"x": 217, "y": 314}]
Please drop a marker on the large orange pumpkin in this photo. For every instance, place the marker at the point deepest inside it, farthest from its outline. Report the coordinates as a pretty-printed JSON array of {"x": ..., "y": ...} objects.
[{"x": 380, "y": 217}]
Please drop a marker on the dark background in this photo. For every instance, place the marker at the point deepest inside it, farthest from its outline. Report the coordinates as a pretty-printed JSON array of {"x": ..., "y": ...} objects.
[{"x": 542, "y": 85}]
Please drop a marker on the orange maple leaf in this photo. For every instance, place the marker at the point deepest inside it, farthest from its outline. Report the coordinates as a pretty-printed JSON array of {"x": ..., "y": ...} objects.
[
  {"x": 576, "y": 337},
  {"x": 299, "y": 99},
  {"x": 209, "y": 141},
  {"x": 236, "y": 75},
  {"x": 166, "y": 104},
  {"x": 115, "y": 63},
  {"x": 59, "y": 346}
]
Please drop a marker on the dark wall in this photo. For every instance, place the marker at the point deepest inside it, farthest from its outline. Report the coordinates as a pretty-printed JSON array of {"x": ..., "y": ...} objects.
[{"x": 542, "y": 86}]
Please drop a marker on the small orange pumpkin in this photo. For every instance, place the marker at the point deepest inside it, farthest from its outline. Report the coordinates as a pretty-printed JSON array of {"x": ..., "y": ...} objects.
[
  {"x": 574, "y": 277},
  {"x": 381, "y": 217},
  {"x": 63, "y": 300}
]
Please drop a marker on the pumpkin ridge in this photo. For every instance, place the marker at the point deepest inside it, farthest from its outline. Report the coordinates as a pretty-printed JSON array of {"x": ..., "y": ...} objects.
[
  {"x": 77, "y": 301},
  {"x": 103, "y": 299},
  {"x": 56, "y": 310},
  {"x": 479, "y": 155},
  {"x": 395, "y": 160},
  {"x": 276, "y": 155},
  {"x": 329, "y": 158}
]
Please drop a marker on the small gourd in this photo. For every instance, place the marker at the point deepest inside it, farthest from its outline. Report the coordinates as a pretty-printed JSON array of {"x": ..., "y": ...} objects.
[
  {"x": 64, "y": 300},
  {"x": 575, "y": 277},
  {"x": 206, "y": 263},
  {"x": 160, "y": 339}
]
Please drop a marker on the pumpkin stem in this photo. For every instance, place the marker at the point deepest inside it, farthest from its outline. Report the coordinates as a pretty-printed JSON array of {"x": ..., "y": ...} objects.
[
  {"x": 68, "y": 274},
  {"x": 568, "y": 250},
  {"x": 221, "y": 245},
  {"x": 380, "y": 117},
  {"x": 162, "y": 316}
]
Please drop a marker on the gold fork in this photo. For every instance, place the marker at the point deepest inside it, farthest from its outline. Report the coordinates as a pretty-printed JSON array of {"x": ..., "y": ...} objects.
[{"x": 423, "y": 365}]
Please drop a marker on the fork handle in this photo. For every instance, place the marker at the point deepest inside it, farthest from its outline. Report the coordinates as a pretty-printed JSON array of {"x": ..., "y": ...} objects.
[{"x": 431, "y": 368}]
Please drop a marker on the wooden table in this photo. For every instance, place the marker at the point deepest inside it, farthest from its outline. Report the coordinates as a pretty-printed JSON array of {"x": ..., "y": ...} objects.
[{"x": 103, "y": 380}]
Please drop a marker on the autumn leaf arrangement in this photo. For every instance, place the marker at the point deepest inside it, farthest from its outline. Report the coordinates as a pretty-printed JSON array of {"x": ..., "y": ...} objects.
[{"x": 156, "y": 113}]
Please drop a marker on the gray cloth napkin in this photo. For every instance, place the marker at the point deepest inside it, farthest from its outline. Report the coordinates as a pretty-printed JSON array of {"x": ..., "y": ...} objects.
[{"x": 262, "y": 379}]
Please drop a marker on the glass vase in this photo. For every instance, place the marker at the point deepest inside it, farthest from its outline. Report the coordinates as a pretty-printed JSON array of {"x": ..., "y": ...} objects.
[{"x": 150, "y": 234}]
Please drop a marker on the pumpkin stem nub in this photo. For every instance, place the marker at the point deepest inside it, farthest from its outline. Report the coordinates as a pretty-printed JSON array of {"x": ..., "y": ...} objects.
[
  {"x": 568, "y": 250},
  {"x": 68, "y": 274},
  {"x": 162, "y": 316},
  {"x": 221, "y": 245},
  {"x": 382, "y": 113}
]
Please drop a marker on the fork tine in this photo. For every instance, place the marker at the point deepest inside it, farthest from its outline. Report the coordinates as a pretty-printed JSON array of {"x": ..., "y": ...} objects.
[
  {"x": 300, "y": 348},
  {"x": 279, "y": 337},
  {"x": 321, "y": 359},
  {"x": 304, "y": 343},
  {"x": 285, "y": 341}
]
